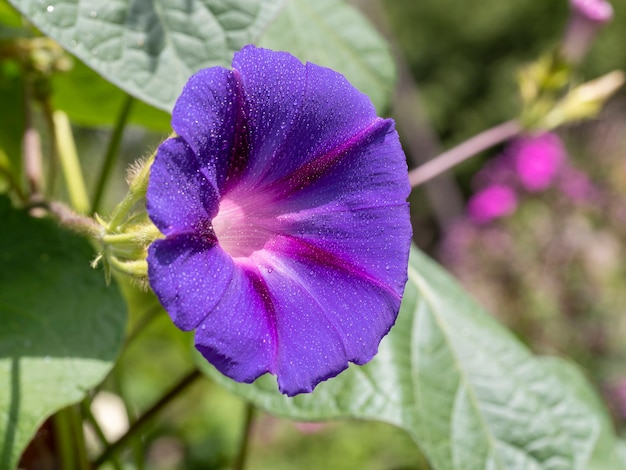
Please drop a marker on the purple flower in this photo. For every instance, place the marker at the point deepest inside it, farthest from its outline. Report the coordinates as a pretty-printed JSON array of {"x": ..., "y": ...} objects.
[
  {"x": 586, "y": 18},
  {"x": 538, "y": 159},
  {"x": 491, "y": 203},
  {"x": 287, "y": 232}
]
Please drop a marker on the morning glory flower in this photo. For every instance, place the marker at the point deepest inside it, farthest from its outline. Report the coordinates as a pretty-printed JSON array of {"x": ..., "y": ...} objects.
[{"x": 283, "y": 205}]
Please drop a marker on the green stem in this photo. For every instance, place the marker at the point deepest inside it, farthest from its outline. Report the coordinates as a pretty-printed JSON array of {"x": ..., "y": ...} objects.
[
  {"x": 246, "y": 434},
  {"x": 86, "y": 410},
  {"x": 136, "y": 191},
  {"x": 144, "y": 321},
  {"x": 79, "y": 438},
  {"x": 70, "y": 162},
  {"x": 63, "y": 438},
  {"x": 121, "y": 211},
  {"x": 111, "y": 153},
  {"x": 137, "y": 426}
]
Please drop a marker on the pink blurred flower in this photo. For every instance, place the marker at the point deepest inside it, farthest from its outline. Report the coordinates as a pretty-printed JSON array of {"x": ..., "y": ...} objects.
[
  {"x": 498, "y": 170},
  {"x": 586, "y": 18},
  {"x": 617, "y": 396},
  {"x": 491, "y": 203},
  {"x": 537, "y": 160},
  {"x": 577, "y": 186},
  {"x": 598, "y": 11}
]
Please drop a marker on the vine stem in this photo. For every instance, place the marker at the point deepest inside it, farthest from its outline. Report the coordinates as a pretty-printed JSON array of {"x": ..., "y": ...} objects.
[
  {"x": 69, "y": 162},
  {"x": 52, "y": 155},
  {"x": 147, "y": 416},
  {"x": 246, "y": 434},
  {"x": 63, "y": 436},
  {"x": 111, "y": 153},
  {"x": 85, "y": 407},
  {"x": 462, "y": 152},
  {"x": 31, "y": 148}
]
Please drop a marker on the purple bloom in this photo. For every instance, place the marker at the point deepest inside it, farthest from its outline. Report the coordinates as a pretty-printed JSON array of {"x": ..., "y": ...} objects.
[
  {"x": 538, "y": 159},
  {"x": 491, "y": 203},
  {"x": 586, "y": 18},
  {"x": 287, "y": 232}
]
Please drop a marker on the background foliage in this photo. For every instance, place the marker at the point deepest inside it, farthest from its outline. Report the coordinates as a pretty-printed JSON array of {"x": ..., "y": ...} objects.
[{"x": 459, "y": 389}]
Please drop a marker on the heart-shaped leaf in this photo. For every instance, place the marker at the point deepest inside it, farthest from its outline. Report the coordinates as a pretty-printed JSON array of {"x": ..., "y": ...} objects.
[
  {"x": 150, "y": 48},
  {"x": 467, "y": 391}
]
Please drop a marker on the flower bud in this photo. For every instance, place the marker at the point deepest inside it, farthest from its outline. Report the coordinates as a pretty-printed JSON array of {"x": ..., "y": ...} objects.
[{"x": 586, "y": 18}]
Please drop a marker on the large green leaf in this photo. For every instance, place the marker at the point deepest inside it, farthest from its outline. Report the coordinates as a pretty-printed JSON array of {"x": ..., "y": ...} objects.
[
  {"x": 468, "y": 392},
  {"x": 149, "y": 48},
  {"x": 334, "y": 34},
  {"x": 61, "y": 325}
]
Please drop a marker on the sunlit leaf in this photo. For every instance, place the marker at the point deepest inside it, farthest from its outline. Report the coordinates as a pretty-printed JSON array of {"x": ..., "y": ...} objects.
[
  {"x": 467, "y": 391},
  {"x": 61, "y": 329},
  {"x": 334, "y": 34},
  {"x": 149, "y": 48}
]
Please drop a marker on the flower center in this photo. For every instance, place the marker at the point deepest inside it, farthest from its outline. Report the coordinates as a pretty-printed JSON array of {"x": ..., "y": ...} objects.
[{"x": 240, "y": 228}]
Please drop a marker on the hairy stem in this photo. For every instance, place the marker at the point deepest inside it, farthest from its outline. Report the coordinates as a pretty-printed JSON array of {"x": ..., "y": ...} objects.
[{"x": 462, "y": 152}]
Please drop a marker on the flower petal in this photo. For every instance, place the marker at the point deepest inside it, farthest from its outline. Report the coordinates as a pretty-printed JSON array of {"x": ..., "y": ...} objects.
[
  {"x": 327, "y": 313},
  {"x": 294, "y": 112},
  {"x": 207, "y": 116},
  {"x": 356, "y": 209},
  {"x": 189, "y": 275},
  {"x": 181, "y": 197},
  {"x": 239, "y": 335}
]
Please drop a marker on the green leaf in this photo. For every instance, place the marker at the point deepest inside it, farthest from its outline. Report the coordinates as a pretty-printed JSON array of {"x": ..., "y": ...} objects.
[
  {"x": 149, "y": 48},
  {"x": 89, "y": 100},
  {"x": 61, "y": 329},
  {"x": 336, "y": 35},
  {"x": 606, "y": 454},
  {"x": 8, "y": 16},
  {"x": 467, "y": 391}
]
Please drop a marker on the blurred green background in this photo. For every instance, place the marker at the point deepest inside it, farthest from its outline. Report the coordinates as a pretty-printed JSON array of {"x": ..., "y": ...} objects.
[
  {"x": 554, "y": 271},
  {"x": 463, "y": 57}
]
